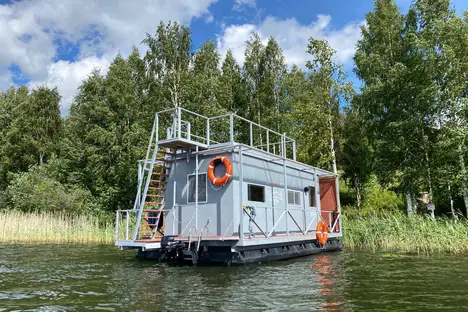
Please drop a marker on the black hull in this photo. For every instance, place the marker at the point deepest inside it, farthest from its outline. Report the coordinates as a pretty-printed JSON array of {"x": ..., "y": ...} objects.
[{"x": 225, "y": 256}]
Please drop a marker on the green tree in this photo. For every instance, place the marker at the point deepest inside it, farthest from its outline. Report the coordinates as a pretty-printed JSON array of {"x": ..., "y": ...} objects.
[
  {"x": 391, "y": 100},
  {"x": 252, "y": 72},
  {"x": 167, "y": 60},
  {"x": 107, "y": 132},
  {"x": 356, "y": 158},
  {"x": 271, "y": 88},
  {"x": 32, "y": 127},
  {"x": 232, "y": 89},
  {"x": 330, "y": 90}
]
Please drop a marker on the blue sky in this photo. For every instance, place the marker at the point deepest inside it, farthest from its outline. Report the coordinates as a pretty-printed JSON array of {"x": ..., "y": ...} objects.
[{"x": 59, "y": 42}]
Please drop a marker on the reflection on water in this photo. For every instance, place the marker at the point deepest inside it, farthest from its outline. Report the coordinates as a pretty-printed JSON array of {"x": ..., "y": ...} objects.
[{"x": 61, "y": 278}]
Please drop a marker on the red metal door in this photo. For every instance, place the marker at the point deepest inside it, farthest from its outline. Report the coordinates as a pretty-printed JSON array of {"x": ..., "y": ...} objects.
[{"x": 328, "y": 201}]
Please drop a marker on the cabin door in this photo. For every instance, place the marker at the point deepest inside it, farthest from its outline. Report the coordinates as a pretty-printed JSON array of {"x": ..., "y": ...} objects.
[{"x": 328, "y": 201}]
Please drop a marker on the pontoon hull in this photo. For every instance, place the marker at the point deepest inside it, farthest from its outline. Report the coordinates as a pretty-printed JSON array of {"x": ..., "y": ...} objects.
[{"x": 226, "y": 255}]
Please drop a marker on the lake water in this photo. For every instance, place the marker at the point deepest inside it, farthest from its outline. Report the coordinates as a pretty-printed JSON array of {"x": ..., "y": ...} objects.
[{"x": 70, "y": 277}]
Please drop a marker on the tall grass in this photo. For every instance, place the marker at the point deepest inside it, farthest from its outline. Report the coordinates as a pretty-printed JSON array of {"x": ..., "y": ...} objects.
[
  {"x": 47, "y": 227},
  {"x": 398, "y": 232},
  {"x": 392, "y": 232}
]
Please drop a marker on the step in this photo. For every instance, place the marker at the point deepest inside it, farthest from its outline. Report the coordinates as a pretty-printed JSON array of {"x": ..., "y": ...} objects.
[
  {"x": 158, "y": 181},
  {"x": 153, "y": 203},
  {"x": 162, "y": 167},
  {"x": 156, "y": 188},
  {"x": 164, "y": 152},
  {"x": 160, "y": 174},
  {"x": 155, "y": 195},
  {"x": 164, "y": 159}
]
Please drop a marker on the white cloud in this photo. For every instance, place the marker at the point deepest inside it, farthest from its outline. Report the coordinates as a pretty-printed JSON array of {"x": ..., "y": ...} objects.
[
  {"x": 5, "y": 80},
  {"x": 292, "y": 38},
  {"x": 67, "y": 76},
  {"x": 239, "y": 4},
  {"x": 32, "y": 30}
]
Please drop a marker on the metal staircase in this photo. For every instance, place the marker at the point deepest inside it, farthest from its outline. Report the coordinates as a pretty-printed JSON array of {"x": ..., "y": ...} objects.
[
  {"x": 151, "y": 211},
  {"x": 152, "y": 176}
]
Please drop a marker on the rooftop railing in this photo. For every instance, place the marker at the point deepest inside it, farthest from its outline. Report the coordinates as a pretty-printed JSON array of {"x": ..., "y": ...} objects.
[{"x": 180, "y": 123}]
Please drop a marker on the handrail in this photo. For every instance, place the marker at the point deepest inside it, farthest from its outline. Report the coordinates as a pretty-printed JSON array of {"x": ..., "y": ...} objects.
[
  {"x": 220, "y": 116},
  {"x": 263, "y": 127},
  {"x": 196, "y": 114},
  {"x": 167, "y": 110}
]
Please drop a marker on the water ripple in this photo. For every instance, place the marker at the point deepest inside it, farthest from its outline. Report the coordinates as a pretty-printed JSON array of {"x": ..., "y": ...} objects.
[{"x": 68, "y": 278}]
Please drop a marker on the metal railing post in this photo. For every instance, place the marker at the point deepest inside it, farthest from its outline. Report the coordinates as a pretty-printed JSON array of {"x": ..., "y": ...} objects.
[
  {"x": 268, "y": 140},
  {"x": 174, "y": 205},
  {"x": 128, "y": 224},
  {"x": 231, "y": 127},
  {"x": 208, "y": 132},
  {"x": 317, "y": 194},
  {"x": 294, "y": 150},
  {"x": 117, "y": 225},
  {"x": 285, "y": 187},
  {"x": 151, "y": 137},
  {"x": 196, "y": 188},
  {"x": 284, "y": 145},
  {"x": 251, "y": 134},
  {"x": 179, "y": 122},
  {"x": 156, "y": 121},
  {"x": 241, "y": 197},
  {"x": 188, "y": 130}
]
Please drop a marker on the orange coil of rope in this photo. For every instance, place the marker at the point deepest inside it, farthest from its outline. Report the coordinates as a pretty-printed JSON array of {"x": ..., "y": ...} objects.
[
  {"x": 220, "y": 180},
  {"x": 322, "y": 232}
]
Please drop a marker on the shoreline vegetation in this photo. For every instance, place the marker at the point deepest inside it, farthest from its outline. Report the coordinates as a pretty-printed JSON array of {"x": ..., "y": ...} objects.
[
  {"x": 54, "y": 228},
  {"x": 401, "y": 233},
  {"x": 392, "y": 232}
]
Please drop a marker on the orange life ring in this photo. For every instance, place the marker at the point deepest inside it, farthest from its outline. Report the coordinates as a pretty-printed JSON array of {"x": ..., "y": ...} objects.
[
  {"x": 322, "y": 232},
  {"x": 220, "y": 180}
]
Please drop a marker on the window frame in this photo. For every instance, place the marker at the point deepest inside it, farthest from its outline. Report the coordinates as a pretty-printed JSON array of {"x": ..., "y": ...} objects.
[
  {"x": 312, "y": 196},
  {"x": 294, "y": 192},
  {"x": 188, "y": 187},
  {"x": 256, "y": 185}
]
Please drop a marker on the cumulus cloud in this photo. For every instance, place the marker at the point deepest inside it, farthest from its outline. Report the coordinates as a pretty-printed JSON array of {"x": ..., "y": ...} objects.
[
  {"x": 67, "y": 76},
  {"x": 292, "y": 37},
  {"x": 5, "y": 80},
  {"x": 33, "y": 31}
]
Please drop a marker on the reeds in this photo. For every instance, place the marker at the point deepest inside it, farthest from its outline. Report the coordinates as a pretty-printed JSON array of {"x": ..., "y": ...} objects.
[
  {"x": 47, "y": 227},
  {"x": 398, "y": 232},
  {"x": 393, "y": 232}
]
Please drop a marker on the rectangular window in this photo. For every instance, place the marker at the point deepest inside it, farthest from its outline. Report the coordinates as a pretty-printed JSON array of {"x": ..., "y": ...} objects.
[
  {"x": 256, "y": 193},
  {"x": 312, "y": 196},
  {"x": 201, "y": 187},
  {"x": 294, "y": 198}
]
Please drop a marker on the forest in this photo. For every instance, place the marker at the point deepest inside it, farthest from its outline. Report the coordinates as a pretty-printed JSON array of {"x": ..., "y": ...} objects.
[{"x": 398, "y": 137}]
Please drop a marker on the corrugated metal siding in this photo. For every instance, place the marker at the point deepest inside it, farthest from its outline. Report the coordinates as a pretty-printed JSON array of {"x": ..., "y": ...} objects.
[{"x": 223, "y": 206}]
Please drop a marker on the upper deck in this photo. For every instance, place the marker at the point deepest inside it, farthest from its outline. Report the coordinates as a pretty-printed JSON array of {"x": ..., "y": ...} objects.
[{"x": 179, "y": 128}]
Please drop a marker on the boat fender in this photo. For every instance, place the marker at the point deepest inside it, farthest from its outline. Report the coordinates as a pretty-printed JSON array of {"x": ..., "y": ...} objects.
[
  {"x": 221, "y": 181},
  {"x": 322, "y": 233}
]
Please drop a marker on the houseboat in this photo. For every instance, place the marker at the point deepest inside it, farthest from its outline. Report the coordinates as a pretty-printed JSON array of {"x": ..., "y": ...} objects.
[{"x": 226, "y": 190}]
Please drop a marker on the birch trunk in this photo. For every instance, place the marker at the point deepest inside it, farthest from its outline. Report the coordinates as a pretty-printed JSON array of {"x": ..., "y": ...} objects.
[
  {"x": 409, "y": 203},
  {"x": 332, "y": 143},
  {"x": 463, "y": 172},
  {"x": 452, "y": 210},
  {"x": 358, "y": 199}
]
